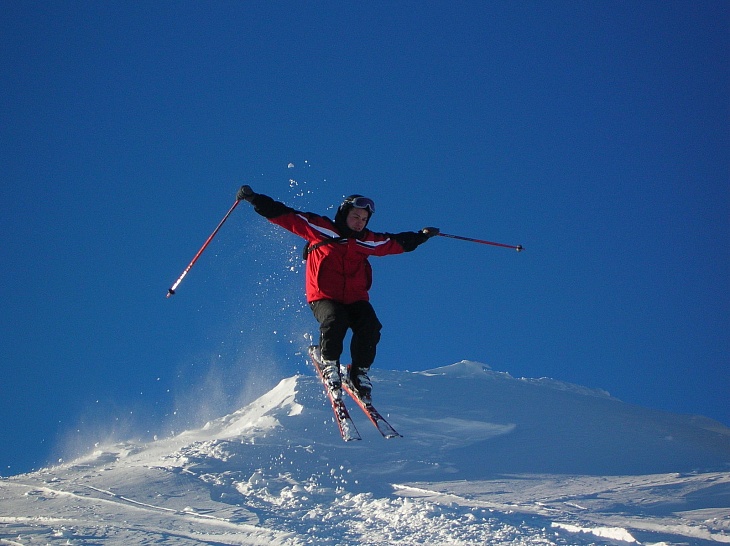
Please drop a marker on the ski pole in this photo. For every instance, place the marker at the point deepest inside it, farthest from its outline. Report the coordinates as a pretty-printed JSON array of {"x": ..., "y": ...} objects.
[
  {"x": 518, "y": 248},
  {"x": 171, "y": 290}
]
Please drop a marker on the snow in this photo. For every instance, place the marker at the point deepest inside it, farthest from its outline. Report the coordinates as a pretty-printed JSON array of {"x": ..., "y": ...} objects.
[{"x": 485, "y": 458}]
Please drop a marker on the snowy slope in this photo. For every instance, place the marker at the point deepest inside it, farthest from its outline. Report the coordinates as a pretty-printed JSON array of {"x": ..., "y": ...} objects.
[{"x": 485, "y": 459}]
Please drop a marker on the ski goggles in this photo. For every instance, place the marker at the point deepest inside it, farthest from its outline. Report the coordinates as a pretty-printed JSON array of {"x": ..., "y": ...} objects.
[{"x": 362, "y": 203}]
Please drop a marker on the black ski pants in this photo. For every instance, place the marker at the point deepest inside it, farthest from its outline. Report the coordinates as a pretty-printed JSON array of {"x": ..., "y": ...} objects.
[{"x": 334, "y": 320}]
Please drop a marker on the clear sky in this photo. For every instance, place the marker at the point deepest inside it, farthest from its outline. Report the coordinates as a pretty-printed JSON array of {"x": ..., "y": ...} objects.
[{"x": 596, "y": 134}]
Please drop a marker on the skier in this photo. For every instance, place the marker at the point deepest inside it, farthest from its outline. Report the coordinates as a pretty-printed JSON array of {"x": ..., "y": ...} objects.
[{"x": 338, "y": 277}]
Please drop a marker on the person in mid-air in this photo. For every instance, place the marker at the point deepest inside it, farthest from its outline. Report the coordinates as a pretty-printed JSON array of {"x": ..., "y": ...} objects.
[{"x": 338, "y": 277}]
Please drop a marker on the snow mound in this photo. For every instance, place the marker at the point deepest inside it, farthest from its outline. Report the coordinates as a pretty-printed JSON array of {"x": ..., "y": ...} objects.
[{"x": 485, "y": 459}]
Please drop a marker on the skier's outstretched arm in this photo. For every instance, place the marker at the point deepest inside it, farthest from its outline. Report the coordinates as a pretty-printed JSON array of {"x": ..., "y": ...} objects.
[{"x": 307, "y": 225}]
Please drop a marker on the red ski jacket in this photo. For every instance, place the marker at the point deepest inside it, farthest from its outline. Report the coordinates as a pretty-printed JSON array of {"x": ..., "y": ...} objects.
[{"x": 336, "y": 270}]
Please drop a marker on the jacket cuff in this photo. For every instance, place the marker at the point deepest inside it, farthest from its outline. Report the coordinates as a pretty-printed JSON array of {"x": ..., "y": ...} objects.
[{"x": 410, "y": 240}]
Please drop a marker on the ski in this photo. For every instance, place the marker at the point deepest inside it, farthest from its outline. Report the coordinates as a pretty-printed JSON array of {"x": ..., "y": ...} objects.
[
  {"x": 383, "y": 426},
  {"x": 348, "y": 431}
]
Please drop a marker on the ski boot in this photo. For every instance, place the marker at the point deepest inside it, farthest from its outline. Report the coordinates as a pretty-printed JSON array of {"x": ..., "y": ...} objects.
[
  {"x": 331, "y": 374},
  {"x": 360, "y": 380}
]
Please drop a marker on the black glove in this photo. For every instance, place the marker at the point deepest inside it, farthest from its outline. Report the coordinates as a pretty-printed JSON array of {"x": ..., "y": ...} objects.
[
  {"x": 245, "y": 193},
  {"x": 430, "y": 231}
]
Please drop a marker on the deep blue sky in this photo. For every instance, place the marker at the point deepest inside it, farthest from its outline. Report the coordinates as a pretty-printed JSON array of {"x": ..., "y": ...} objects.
[{"x": 596, "y": 134}]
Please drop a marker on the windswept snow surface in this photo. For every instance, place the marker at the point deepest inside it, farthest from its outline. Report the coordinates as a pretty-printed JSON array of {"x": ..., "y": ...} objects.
[{"x": 485, "y": 459}]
